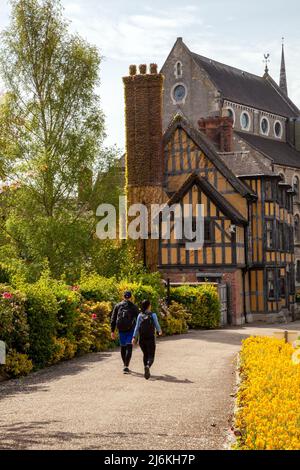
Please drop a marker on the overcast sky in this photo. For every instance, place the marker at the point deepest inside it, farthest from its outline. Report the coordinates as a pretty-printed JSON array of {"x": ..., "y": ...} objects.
[{"x": 137, "y": 31}]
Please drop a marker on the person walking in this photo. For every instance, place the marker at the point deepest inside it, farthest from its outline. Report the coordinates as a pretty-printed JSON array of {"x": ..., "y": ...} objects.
[
  {"x": 123, "y": 319},
  {"x": 146, "y": 325}
]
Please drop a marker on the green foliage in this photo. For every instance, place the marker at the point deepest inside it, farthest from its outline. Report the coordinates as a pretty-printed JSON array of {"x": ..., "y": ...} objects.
[
  {"x": 14, "y": 330},
  {"x": 42, "y": 309},
  {"x": 5, "y": 272},
  {"x": 99, "y": 288},
  {"x": 140, "y": 292},
  {"x": 173, "y": 319},
  {"x": 93, "y": 328},
  {"x": 51, "y": 138},
  {"x": 84, "y": 333},
  {"x": 68, "y": 302},
  {"x": 202, "y": 302},
  {"x": 17, "y": 364}
]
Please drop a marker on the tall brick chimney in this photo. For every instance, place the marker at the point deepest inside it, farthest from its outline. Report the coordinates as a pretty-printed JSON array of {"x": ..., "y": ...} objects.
[
  {"x": 219, "y": 130},
  {"x": 144, "y": 161}
]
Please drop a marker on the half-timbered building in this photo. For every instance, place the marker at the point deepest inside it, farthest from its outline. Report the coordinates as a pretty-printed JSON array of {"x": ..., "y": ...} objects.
[{"x": 248, "y": 208}]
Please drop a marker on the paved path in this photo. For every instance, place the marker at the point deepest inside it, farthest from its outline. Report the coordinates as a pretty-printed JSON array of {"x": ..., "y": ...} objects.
[{"x": 87, "y": 403}]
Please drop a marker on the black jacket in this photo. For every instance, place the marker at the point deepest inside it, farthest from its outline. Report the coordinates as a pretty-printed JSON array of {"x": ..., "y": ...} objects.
[{"x": 131, "y": 307}]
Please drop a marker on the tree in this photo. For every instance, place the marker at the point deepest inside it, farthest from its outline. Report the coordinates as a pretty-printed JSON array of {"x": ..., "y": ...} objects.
[{"x": 51, "y": 135}]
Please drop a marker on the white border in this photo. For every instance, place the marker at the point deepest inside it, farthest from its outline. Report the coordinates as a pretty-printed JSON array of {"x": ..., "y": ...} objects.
[
  {"x": 175, "y": 69},
  {"x": 249, "y": 123},
  {"x": 172, "y": 93},
  {"x": 260, "y": 125},
  {"x": 281, "y": 129}
]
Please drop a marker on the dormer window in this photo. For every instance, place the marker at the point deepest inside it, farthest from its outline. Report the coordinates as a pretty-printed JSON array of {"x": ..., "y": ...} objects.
[
  {"x": 264, "y": 126},
  {"x": 178, "y": 69}
]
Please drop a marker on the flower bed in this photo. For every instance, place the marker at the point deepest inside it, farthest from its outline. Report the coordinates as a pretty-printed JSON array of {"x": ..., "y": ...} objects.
[{"x": 268, "y": 416}]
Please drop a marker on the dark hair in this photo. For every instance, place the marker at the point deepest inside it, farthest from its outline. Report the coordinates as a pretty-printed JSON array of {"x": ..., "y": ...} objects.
[{"x": 145, "y": 305}]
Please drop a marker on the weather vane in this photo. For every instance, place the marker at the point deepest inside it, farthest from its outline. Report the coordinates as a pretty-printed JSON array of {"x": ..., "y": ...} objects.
[{"x": 266, "y": 61}]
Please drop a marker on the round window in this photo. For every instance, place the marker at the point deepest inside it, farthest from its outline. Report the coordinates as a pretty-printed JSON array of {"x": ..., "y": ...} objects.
[
  {"x": 179, "y": 93},
  {"x": 264, "y": 126},
  {"x": 278, "y": 129},
  {"x": 245, "y": 120}
]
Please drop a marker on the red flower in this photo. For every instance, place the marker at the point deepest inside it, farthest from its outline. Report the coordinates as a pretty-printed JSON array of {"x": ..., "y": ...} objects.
[
  {"x": 94, "y": 316},
  {"x": 7, "y": 295},
  {"x": 75, "y": 288}
]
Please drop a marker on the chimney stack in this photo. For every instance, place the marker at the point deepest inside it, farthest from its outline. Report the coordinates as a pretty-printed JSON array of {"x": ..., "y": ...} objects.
[
  {"x": 219, "y": 130},
  {"x": 144, "y": 160}
]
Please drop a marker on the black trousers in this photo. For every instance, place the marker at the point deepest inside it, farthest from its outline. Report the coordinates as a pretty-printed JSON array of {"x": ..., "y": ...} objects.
[{"x": 148, "y": 347}]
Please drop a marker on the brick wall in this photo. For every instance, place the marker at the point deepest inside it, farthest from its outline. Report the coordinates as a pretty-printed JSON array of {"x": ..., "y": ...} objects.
[{"x": 219, "y": 130}]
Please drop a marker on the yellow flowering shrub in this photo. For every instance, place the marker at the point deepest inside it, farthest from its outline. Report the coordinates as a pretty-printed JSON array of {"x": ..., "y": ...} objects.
[{"x": 268, "y": 415}]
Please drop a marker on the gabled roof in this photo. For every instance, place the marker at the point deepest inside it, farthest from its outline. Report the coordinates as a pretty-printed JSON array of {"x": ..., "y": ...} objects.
[
  {"x": 246, "y": 164},
  {"x": 280, "y": 153},
  {"x": 246, "y": 88},
  {"x": 212, "y": 194},
  {"x": 210, "y": 152}
]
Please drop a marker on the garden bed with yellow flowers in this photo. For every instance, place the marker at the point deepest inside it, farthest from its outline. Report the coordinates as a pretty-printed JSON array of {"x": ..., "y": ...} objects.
[{"x": 268, "y": 399}]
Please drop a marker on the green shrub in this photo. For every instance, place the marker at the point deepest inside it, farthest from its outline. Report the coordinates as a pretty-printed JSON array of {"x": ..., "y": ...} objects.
[
  {"x": 68, "y": 303},
  {"x": 63, "y": 349},
  {"x": 202, "y": 303},
  {"x": 84, "y": 333},
  {"x": 5, "y": 273},
  {"x": 14, "y": 329},
  {"x": 140, "y": 292},
  {"x": 95, "y": 287},
  {"x": 42, "y": 309},
  {"x": 17, "y": 364},
  {"x": 94, "y": 326},
  {"x": 173, "y": 319}
]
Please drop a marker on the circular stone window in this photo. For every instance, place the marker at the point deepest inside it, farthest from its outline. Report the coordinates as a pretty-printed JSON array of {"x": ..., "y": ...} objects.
[
  {"x": 179, "y": 93},
  {"x": 278, "y": 129},
  {"x": 264, "y": 125},
  {"x": 245, "y": 121}
]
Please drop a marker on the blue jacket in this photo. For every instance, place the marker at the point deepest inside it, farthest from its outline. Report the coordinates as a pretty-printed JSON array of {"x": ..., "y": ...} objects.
[{"x": 138, "y": 324}]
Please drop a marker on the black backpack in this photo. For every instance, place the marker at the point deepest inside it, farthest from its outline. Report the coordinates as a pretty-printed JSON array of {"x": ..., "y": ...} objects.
[
  {"x": 147, "y": 327},
  {"x": 126, "y": 317}
]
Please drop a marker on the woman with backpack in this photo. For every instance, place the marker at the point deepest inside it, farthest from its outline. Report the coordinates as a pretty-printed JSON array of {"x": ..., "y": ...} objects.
[{"x": 146, "y": 325}]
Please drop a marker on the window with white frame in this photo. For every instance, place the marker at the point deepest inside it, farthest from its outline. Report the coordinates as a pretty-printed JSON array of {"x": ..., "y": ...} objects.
[
  {"x": 278, "y": 129},
  {"x": 178, "y": 69},
  {"x": 245, "y": 121},
  {"x": 264, "y": 126}
]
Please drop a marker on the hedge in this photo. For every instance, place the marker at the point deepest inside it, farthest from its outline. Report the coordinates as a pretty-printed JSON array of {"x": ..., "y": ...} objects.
[
  {"x": 48, "y": 321},
  {"x": 202, "y": 303}
]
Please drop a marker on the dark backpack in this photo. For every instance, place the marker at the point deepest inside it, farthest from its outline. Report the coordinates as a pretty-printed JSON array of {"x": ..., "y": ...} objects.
[
  {"x": 126, "y": 317},
  {"x": 147, "y": 327}
]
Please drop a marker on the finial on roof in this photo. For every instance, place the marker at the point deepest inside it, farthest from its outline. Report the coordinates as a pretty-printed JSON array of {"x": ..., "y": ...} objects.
[
  {"x": 283, "y": 80},
  {"x": 266, "y": 61}
]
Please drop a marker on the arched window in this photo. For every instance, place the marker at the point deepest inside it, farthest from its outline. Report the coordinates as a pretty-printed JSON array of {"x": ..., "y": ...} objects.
[
  {"x": 178, "y": 69},
  {"x": 296, "y": 227},
  {"x": 296, "y": 187}
]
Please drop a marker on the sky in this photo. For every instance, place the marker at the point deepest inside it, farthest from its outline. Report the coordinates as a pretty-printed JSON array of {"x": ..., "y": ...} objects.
[{"x": 230, "y": 31}]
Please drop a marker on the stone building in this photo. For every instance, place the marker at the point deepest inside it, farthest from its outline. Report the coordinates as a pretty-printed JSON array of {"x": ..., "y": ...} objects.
[{"x": 265, "y": 132}]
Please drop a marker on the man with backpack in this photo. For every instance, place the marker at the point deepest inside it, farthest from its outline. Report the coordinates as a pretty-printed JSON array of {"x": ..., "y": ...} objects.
[
  {"x": 146, "y": 325},
  {"x": 123, "y": 318}
]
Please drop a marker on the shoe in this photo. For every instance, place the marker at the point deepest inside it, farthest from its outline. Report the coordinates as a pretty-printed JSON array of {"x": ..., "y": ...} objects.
[
  {"x": 126, "y": 370},
  {"x": 147, "y": 372}
]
